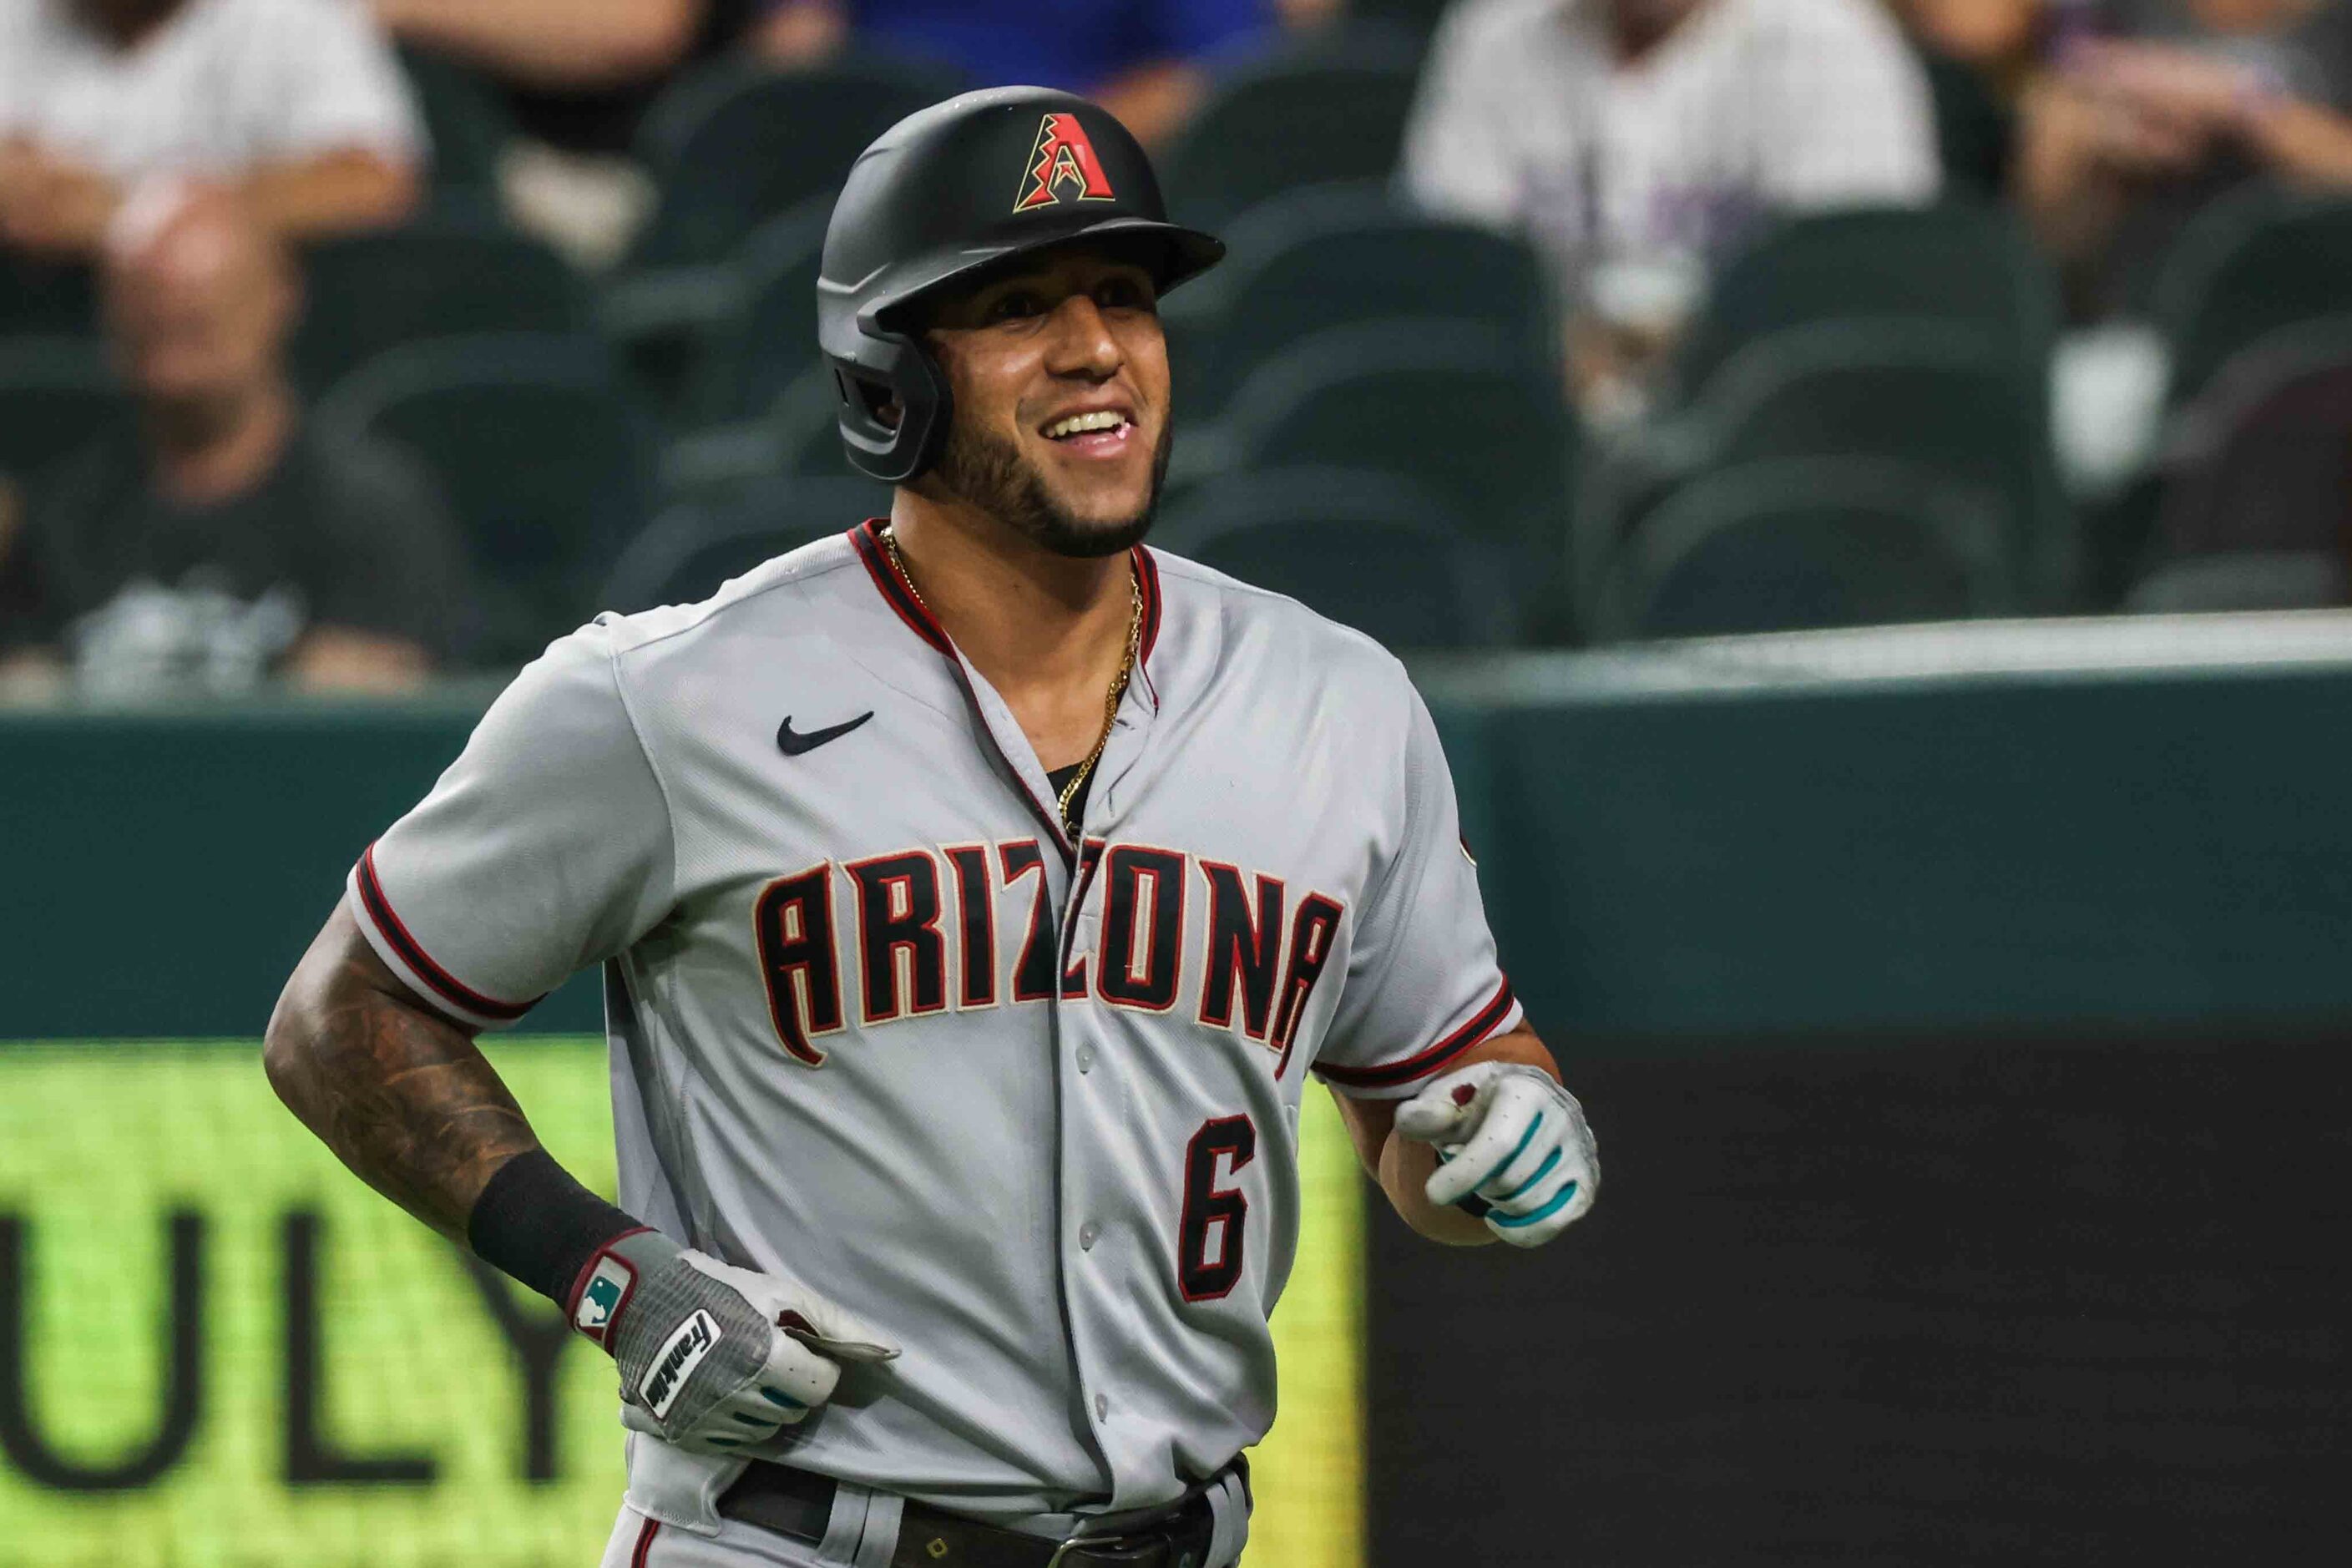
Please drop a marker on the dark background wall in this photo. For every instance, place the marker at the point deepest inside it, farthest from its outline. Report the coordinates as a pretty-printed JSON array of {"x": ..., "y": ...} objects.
[{"x": 2051, "y": 1301}]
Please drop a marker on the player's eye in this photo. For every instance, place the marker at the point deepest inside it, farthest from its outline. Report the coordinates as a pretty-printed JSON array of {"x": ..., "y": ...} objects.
[
  {"x": 1122, "y": 293},
  {"x": 1015, "y": 305}
]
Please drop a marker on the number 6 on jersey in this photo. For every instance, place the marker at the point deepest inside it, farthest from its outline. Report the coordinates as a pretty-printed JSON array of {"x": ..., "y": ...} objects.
[{"x": 1209, "y": 1241}]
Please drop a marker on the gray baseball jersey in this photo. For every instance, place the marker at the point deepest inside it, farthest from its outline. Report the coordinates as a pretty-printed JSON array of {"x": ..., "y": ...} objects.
[{"x": 877, "y": 1025}]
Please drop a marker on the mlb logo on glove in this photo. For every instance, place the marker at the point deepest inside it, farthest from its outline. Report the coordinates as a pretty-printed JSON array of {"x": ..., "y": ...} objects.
[{"x": 601, "y": 1299}]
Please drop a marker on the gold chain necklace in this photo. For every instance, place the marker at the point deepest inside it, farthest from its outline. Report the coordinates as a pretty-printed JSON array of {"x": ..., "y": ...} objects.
[{"x": 1118, "y": 686}]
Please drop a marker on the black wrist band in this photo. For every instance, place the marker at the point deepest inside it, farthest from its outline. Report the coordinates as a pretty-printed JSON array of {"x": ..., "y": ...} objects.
[{"x": 535, "y": 1223}]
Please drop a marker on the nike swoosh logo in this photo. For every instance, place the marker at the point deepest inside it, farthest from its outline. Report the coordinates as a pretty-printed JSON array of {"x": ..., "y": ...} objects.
[{"x": 793, "y": 745}]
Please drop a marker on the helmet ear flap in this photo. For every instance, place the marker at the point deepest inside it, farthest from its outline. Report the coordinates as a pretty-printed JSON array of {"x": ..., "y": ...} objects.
[{"x": 897, "y": 370}]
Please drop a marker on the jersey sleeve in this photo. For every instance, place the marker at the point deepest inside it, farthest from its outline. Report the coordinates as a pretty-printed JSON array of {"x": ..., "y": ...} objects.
[
  {"x": 544, "y": 849},
  {"x": 1423, "y": 985}
]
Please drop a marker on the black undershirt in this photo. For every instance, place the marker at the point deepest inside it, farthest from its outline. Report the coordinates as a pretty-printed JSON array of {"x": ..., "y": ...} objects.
[{"x": 1060, "y": 779}]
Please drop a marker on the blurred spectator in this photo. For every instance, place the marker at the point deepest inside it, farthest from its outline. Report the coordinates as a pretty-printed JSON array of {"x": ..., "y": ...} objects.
[
  {"x": 579, "y": 74},
  {"x": 578, "y": 78},
  {"x": 2157, "y": 106},
  {"x": 552, "y": 43},
  {"x": 223, "y": 539},
  {"x": 1635, "y": 141},
  {"x": 1144, "y": 60},
  {"x": 2002, "y": 39},
  {"x": 295, "y": 104}
]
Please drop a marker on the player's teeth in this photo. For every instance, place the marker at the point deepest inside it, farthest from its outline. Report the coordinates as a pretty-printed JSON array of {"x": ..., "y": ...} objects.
[{"x": 1077, "y": 423}]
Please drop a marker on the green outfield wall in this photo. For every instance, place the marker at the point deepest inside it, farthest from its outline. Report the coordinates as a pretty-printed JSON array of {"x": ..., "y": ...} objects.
[{"x": 2140, "y": 821}]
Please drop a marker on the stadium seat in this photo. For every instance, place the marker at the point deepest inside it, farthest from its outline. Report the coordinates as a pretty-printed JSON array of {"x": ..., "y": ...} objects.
[
  {"x": 1370, "y": 551},
  {"x": 2263, "y": 460},
  {"x": 797, "y": 433},
  {"x": 2245, "y": 579},
  {"x": 696, "y": 546},
  {"x": 1936, "y": 395},
  {"x": 730, "y": 147},
  {"x": 455, "y": 272},
  {"x": 1469, "y": 413},
  {"x": 734, "y": 144},
  {"x": 1959, "y": 262},
  {"x": 766, "y": 336},
  {"x": 1804, "y": 544},
  {"x": 56, "y": 394},
  {"x": 1975, "y": 132},
  {"x": 2251, "y": 266},
  {"x": 541, "y": 454},
  {"x": 466, "y": 123},
  {"x": 1329, "y": 108},
  {"x": 40, "y": 298},
  {"x": 1329, "y": 257},
  {"x": 1416, "y": 18}
]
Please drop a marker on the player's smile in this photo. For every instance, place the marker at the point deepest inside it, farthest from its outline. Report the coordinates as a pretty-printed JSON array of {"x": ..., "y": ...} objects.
[{"x": 1093, "y": 430}]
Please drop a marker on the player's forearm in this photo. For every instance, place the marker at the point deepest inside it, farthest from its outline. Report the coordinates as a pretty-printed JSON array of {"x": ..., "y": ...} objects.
[
  {"x": 1406, "y": 1168},
  {"x": 403, "y": 1096}
]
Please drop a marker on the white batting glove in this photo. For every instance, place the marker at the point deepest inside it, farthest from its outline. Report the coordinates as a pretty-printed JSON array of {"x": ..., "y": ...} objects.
[
  {"x": 1510, "y": 1136},
  {"x": 714, "y": 1358}
]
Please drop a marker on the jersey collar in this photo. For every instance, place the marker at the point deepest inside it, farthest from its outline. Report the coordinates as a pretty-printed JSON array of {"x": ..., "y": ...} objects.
[{"x": 908, "y": 605}]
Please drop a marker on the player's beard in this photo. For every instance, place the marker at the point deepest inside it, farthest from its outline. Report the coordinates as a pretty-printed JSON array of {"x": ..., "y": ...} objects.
[{"x": 989, "y": 472}]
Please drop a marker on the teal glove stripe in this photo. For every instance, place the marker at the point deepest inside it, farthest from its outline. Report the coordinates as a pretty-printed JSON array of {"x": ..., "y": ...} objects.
[
  {"x": 1541, "y": 1172},
  {"x": 1515, "y": 1221},
  {"x": 1525, "y": 1139},
  {"x": 786, "y": 1400}
]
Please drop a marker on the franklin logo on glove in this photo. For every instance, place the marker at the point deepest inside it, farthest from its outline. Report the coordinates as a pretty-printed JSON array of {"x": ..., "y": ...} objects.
[{"x": 679, "y": 1356}]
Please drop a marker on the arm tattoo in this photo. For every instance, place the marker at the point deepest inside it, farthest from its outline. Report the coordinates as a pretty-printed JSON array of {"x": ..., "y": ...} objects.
[{"x": 402, "y": 1095}]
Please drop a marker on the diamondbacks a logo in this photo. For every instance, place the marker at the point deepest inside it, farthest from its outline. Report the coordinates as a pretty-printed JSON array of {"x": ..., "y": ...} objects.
[
  {"x": 679, "y": 1355},
  {"x": 1063, "y": 167},
  {"x": 606, "y": 1293}
]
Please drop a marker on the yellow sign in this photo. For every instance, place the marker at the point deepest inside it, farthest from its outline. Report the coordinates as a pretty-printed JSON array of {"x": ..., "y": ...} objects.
[{"x": 219, "y": 1350}]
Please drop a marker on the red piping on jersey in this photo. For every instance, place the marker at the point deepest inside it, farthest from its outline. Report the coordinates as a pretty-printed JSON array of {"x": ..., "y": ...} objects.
[
  {"x": 1147, "y": 582},
  {"x": 896, "y": 590},
  {"x": 644, "y": 1543},
  {"x": 1481, "y": 1025},
  {"x": 453, "y": 991},
  {"x": 901, "y": 595}
]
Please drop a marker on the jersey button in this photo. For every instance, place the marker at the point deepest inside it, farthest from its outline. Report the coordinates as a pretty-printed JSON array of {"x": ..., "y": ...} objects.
[
  {"x": 1087, "y": 1232},
  {"x": 1085, "y": 1058},
  {"x": 1102, "y": 1406}
]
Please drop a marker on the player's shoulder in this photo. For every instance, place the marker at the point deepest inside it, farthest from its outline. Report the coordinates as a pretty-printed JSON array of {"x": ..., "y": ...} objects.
[
  {"x": 767, "y": 600},
  {"x": 1275, "y": 632},
  {"x": 770, "y": 617}
]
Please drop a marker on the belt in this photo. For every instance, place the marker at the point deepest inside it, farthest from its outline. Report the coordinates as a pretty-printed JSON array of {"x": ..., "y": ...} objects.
[{"x": 799, "y": 1504}]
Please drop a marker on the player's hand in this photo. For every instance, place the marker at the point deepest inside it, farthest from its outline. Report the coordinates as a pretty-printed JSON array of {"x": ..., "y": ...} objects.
[
  {"x": 715, "y": 1358},
  {"x": 1510, "y": 1136}
]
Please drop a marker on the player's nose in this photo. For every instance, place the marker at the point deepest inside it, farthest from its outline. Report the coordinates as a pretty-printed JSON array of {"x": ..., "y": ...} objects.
[{"x": 1081, "y": 341}]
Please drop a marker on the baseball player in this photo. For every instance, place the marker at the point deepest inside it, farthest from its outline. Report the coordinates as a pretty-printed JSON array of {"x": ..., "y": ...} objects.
[{"x": 975, "y": 892}]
